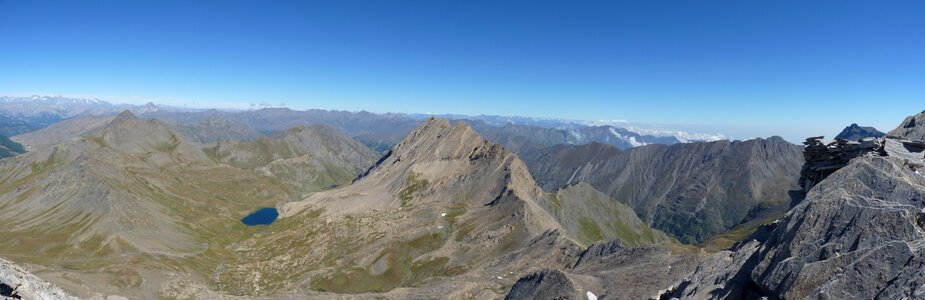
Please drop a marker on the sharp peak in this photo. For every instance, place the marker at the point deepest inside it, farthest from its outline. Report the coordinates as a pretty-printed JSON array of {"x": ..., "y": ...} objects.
[
  {"x": 436, "y": 133},
  {"x": 127, "y": 119}
]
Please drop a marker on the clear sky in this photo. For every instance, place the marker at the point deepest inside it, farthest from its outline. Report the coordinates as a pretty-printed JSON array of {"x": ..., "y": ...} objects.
[{"x": 746, "y": 68}]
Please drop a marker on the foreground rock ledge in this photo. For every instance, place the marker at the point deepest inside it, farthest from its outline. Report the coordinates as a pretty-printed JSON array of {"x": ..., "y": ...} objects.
[{"x": 17, "y": 283}]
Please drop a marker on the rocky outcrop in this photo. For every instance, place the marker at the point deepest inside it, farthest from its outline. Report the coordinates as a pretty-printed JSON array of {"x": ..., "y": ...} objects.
[
  {"x": 855, "y": 132},
  {"x": 17, "y": 283},
  {"x": 608, "y": 270},
  {"x": 857, "y": 235},
  {"x": 545, "y": 284},
  {"x": 823, "y": 159},
  {"x": 912, "y": 128}
]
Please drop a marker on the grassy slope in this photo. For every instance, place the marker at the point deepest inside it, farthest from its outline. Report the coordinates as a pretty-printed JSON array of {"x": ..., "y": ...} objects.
[{"x": 591, "y": 216}]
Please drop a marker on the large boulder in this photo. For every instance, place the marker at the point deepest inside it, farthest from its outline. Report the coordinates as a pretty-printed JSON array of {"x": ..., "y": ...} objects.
[
  {"x": 912, "y": 128},
  {"x": 545, "y": 284}
]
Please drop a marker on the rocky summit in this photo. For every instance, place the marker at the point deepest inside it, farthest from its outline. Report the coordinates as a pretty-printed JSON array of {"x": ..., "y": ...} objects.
[
  {"x": 912, "y": 128},
  {"x": 857, "y": 235}
]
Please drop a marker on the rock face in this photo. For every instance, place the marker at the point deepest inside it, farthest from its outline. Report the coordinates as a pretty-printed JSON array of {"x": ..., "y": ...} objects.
[
  {"x": 607, "y": 270},
  {"x": 824, "y": 159},
  {"x": 912, "y": 128},
  {"x": 17, "y": 283},
  {"x": 691, "y": 191},
  {"x": 545, "y": 284},
  {"x": 854, "y": 132},
  {"x": 857, "y": 235}
]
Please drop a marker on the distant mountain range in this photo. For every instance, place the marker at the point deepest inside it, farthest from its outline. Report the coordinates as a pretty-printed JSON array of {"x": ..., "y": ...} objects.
[
  {"x": 20, "y": 115},
  {"x": 854, "y": 132}
]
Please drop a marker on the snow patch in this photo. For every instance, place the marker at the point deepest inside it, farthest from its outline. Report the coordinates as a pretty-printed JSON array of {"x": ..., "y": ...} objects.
[
  {"x": 575, "y": 134},
  {"x": 591, "y": 296},
  {"x": 683, "y": 136},
  {"x": 631, "y": 140}
]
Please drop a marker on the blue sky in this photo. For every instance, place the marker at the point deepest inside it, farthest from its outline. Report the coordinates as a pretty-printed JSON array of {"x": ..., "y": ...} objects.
[{"x": 745, "y": 68}]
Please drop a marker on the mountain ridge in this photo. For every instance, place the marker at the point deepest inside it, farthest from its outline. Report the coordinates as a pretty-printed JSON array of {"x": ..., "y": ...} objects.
[
  {"x": 681, "y": 189},
  {"x": 855, "y": 132}
]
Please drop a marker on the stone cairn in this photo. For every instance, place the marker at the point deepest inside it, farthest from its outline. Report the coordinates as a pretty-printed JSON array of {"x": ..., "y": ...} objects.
[{"x": 824, "y": 159}]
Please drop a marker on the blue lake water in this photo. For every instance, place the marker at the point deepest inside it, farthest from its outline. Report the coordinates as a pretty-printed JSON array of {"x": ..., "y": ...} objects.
[{"x": 263, "y": 216}]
